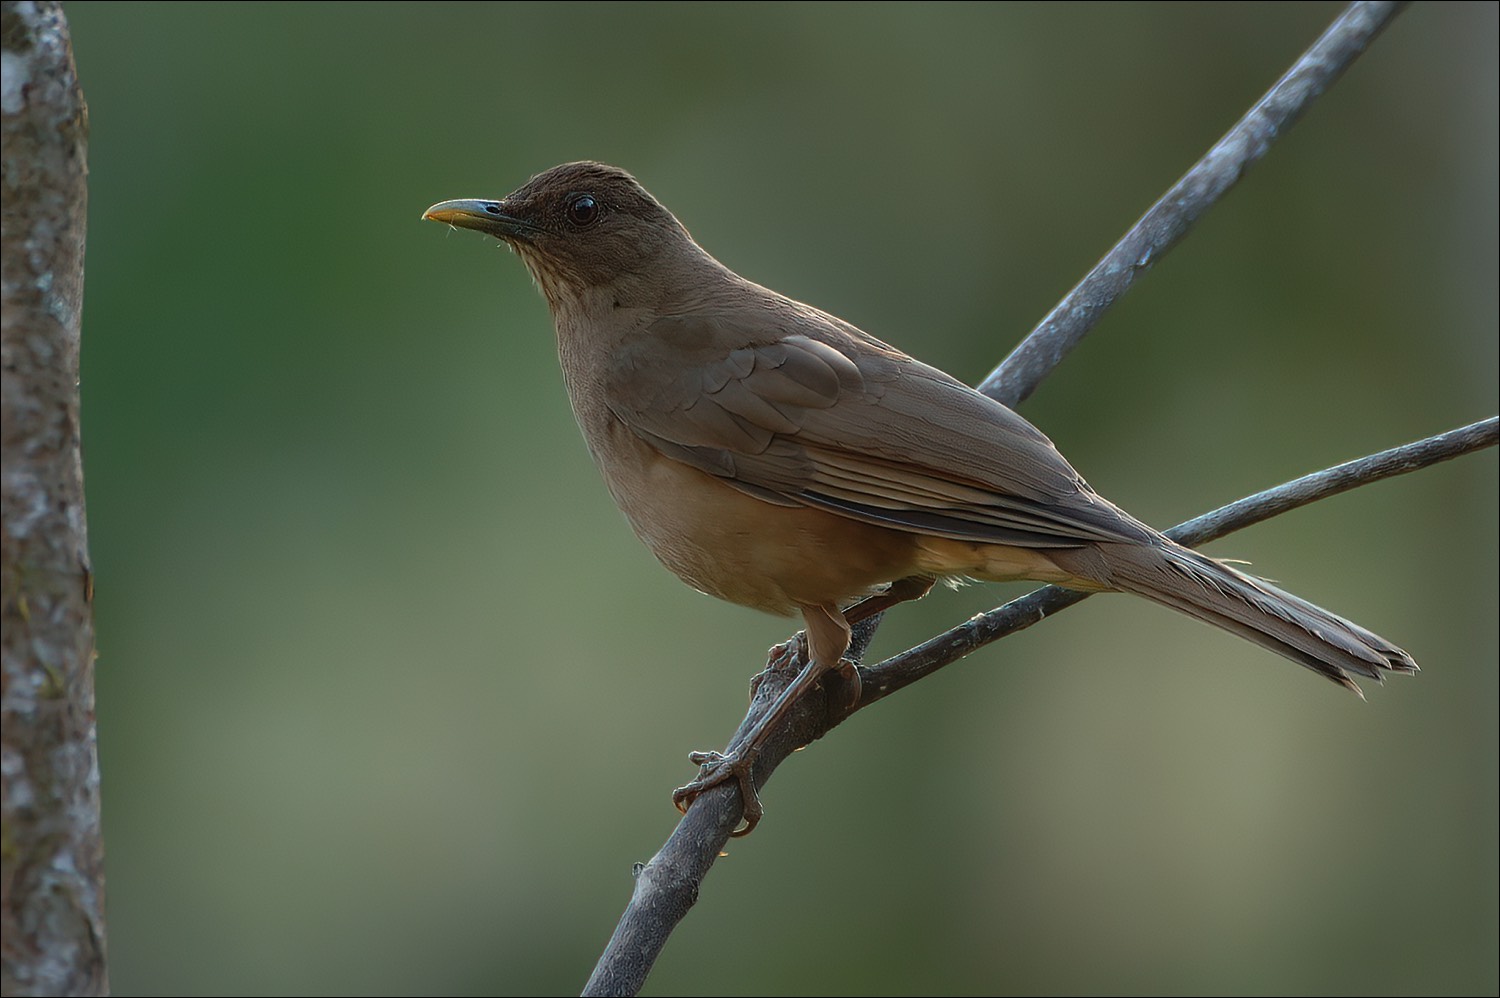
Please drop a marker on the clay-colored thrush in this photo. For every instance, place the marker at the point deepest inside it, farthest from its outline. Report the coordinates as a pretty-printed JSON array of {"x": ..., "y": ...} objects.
[{"x": 775, "y": 456}]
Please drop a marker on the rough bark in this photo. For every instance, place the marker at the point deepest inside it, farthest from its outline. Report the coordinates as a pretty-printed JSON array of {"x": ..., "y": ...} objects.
[{"x": 52, "y": 909}]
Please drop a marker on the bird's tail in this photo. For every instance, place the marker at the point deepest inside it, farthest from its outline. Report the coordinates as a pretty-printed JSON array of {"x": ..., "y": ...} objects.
[{"x": 1211, "y": 591}]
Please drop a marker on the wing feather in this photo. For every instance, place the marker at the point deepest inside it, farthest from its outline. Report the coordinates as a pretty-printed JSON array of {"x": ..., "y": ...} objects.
[{"x": 822, "y": 415}]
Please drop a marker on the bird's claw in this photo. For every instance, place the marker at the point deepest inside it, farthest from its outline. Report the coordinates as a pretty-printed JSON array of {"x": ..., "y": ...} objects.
[
  {"x": 738, "y": 765},
  {"x": 789, "y": 654},
  {"x": 848, "y": 671},
  {"x": 717, "y": 768}
]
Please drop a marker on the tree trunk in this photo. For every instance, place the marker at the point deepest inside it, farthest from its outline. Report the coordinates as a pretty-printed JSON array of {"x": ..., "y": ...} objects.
[{"x": 52, "y": 909}]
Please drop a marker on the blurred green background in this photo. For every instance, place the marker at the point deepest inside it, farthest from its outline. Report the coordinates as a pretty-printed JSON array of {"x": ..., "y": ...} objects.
[{"x": 390, "y": 699}]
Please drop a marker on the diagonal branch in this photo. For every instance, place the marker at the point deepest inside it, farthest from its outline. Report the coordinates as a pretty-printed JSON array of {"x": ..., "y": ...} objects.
[
  {"x": 1170, "y": 218},
  {"x": 667, "y": 886}
]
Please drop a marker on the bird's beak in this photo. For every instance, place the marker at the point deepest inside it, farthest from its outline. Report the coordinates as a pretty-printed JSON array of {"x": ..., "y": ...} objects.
[{"x": 489, "y": 217}]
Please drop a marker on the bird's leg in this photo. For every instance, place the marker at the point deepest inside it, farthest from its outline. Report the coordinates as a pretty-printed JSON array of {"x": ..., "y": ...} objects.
[
  {"x": 828, "y": 634},
  {"x": 912, "y": 587},
  {"x": 791, "y": 651},
  {"x": 827, "y": 640}
]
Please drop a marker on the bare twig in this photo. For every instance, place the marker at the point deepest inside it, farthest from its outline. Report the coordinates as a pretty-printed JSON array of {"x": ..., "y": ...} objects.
[
  {"x": 667, "y": 886},
  {"x": 1170, "y": 218}
]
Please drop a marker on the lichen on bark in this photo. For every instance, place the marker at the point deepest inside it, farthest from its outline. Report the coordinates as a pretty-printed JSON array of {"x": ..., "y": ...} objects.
[{"x": 52, "y": 909}]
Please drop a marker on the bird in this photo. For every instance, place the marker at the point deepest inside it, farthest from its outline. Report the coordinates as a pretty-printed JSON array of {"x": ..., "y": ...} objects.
[{"x": 777, "y": 457}]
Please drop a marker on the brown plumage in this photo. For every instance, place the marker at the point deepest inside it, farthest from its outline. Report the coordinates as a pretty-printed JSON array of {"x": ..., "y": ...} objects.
[{"x": 775, "y": 456}]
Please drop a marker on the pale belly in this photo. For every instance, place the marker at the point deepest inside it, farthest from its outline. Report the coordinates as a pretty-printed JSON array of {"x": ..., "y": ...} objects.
[
  {"x": 744, "y": 550},
  {"x": 775, "y": 558}
]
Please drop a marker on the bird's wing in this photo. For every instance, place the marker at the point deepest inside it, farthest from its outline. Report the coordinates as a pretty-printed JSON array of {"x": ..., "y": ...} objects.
[{"x": 842, "y": 422}]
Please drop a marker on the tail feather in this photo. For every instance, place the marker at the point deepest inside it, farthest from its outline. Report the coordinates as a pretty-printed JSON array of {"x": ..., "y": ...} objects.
[{"x": 1212, "y": 592}]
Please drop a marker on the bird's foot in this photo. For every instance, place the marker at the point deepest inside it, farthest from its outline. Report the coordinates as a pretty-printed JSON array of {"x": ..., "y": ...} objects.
[
  {"x": 791, "y": 655},
  {"x": 788, "y": 655},
  {"x": 739, "y": 762},
  {"x": 848, "y": 671},
  {"x": 717, "y": 768}
]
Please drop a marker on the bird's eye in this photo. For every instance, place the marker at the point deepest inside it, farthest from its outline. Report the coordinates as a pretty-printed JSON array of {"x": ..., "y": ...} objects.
[{"x": 583, "y": 210}]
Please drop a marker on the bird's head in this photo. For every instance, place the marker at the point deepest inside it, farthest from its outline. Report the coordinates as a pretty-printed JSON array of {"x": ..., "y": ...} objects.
[{"x": 578, "y": 227}]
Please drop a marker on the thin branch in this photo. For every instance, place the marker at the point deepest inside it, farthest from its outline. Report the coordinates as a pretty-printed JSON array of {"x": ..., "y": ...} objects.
[
  {"x": 667, "y": 886},
  {"x": 1157, "y": 231}
]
